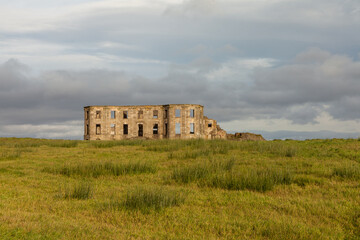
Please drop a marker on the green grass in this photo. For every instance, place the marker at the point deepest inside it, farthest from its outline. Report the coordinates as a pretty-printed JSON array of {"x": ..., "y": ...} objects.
[
  {"x": 10, "y": 155},
  {"x": 351, "y": 172},
  {"x": 81, "y": 190},
  {"x": 195, "y": 189},
  {"x": 190, "y": 173},
  {"x": 219, "y": 174},
  {"x": 148, "y": 199},
  {"x": 257, "y": 180},
  {"x": 50, "y": 143},
  {"x": 110, "y": 144},
  {"x": 201, "y": 171},
  {"x": 94, "y": 169}
]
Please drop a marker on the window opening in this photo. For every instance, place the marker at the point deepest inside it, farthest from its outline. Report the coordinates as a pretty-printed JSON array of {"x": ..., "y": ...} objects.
[
  {"x": 87, "y": 115},
  {"x": 87, "y": 129},
  {"x": 125, "y": 131},
  {"x": 192, "y": 128},
  {"x": 166, "y": 129},
  {"x": 155, "y": 129},
  {"x": 98, "y": 129},
  {"x": 125, "y": 114},
  {"x": 98, "y": 114},
  {"x": 112, "y": 114},
  {"x": 177, "y": 113},
  {"x": 166, "y": 113},
  {"x": 177, "y": 128},
  {"x": 141, "y": 130},
  {"x": 140, "y": 114},
  {"x": 192, "y": 113},
  {"x": 155, "y": 114},
  {"x": 210, "y": 125},
  {"x": 112, "y": 129}
]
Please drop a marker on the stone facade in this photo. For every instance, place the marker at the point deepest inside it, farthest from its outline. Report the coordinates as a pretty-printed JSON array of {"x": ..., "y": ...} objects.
[{"x": 172, "y": 121}]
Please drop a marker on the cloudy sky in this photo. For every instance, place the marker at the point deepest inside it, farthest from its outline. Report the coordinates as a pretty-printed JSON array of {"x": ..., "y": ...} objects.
[{"x": 260, "y": 65}]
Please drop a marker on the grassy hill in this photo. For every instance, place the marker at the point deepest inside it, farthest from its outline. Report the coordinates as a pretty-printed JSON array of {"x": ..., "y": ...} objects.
[{"x": 57, "y": 189}]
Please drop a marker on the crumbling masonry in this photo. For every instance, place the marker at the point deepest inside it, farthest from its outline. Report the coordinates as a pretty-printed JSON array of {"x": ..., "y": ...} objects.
[{"x": 172, "y": 121}]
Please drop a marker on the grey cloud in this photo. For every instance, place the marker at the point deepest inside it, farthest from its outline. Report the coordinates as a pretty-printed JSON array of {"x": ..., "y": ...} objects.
[
  {"x": 303, "y": 114},
  {"x": 12, "y": 74},
  {"x": 326, "y": 81},
  {"x": 15, "y": 88},
  {"x": 187, "y": 52},
  {"x": 257, "y": 29},
  {"x": 58, "y": 96},
  {"x": 312, "y": 56},
  {"x": 347, "y": 108},
  {"x": 313, "y": 83},
  {"x": 37, "y": 115}
]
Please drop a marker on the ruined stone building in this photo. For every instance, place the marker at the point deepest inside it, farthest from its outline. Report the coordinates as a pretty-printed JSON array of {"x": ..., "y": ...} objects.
[{"x": 172, "y": 121}]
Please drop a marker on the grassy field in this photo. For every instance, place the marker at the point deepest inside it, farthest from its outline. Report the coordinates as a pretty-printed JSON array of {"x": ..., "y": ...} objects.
[{"x": 58, "y": 189}]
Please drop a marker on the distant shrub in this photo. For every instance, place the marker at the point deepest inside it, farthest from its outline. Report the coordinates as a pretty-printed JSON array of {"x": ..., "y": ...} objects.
[
  {"x": 82, "y": 190},
  {"x": 351, "y": 172},
  {"x": 109, "y": 168},
  {"x": 148, "y": 199}
]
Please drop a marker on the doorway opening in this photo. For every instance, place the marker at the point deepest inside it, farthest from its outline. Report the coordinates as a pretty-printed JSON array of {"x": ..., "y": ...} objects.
[{"x": 141, "y": 130}]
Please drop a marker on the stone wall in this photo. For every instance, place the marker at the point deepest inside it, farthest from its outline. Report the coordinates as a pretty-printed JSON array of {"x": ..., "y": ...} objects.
[
  {"x": 172, "y": 121},
  {"x": 245, "y": 137}
]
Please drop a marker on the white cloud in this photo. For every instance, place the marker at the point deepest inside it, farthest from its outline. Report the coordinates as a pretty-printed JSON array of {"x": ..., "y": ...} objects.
[
  {"x": 50, "y": 56},
  {"x": 239, "y": 69},
  {"x": 23, "y": 46},
  {"x": 193, "y": 7},
  {"x": 324, "y": 122},
  {"x": 22, "y": 18},
  {"x": 117, "y": 45},
  {"x": 64, "y": 130}
]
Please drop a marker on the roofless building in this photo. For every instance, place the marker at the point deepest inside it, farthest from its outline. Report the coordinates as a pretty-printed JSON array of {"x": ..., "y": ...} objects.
[{"x": 171, "y": 121}]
